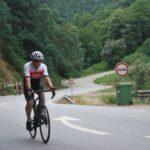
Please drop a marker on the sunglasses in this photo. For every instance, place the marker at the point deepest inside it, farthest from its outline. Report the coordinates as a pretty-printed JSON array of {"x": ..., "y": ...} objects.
[{"x": 37, "y": 61}]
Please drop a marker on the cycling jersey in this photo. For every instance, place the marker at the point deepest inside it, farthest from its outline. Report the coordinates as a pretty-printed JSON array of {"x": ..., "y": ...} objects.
[
  {"x": 36, "y": 75},
  {"x": 31, "y": 71}
]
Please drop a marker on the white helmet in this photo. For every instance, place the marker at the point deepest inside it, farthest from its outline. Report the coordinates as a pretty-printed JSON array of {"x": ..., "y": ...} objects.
[{"x": 37, "y": 55}]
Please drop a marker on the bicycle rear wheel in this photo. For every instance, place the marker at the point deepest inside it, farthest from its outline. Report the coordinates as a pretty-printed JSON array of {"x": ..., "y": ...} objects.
[
  {"x": 33, "y": 127},
  {"x": 45, "y": 125}
]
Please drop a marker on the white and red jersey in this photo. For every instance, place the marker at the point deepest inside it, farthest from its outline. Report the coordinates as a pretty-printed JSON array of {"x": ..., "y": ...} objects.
[{"x": 31, "y": 71}]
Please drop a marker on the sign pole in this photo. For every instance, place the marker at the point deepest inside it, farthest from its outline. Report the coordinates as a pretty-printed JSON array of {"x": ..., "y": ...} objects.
[
  {"x": 71, "y": 82},
  {"x": 71, "y": 91}
]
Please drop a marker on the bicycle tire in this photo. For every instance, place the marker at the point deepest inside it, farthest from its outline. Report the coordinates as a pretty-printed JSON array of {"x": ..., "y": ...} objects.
[
  {"x": 34, "y": 129},
  {"x": 46, "y": 124}
]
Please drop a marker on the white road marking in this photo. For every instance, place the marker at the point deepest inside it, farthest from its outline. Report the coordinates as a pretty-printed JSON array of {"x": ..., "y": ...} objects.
[
  {"x": 65, "y": 120},
  {"x": 148, "y": 137}
]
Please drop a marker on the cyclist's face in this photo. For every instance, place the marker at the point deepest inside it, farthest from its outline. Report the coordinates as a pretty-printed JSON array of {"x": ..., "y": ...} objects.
[{"x": 36, "y": 63}]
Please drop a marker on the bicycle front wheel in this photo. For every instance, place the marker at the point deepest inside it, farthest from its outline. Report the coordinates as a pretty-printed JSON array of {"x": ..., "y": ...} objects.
[
  {"x": 33, "y": 126},
  {"x": 45, "y": 125}
]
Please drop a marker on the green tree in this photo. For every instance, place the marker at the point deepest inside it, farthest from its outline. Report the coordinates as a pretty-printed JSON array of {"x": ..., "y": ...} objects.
[
  {"x": 5, "y": 26},
  {"x": 137, "y": 24},
  {"x": 115, "y": 24},
  {"x": 146, "y": 47},
  {"x": 114, "y": 51}
]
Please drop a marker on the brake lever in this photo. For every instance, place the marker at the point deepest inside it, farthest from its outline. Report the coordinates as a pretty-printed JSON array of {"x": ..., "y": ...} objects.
[{"x": 53, "y": 93}]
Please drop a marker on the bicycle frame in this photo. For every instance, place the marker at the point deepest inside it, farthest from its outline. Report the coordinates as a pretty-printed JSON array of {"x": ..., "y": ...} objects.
[
  {"x": 38, "y": 100},
  {"x": 38, "y": 93}
]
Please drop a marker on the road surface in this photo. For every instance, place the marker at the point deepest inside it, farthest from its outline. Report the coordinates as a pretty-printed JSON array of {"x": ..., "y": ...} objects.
[
  {"x": 88, "y": 127},
  {"x": 76, "y": 127}
]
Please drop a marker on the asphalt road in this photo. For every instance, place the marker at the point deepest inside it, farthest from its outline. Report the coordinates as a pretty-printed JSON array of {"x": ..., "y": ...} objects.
[
  {"x": 76, "y": 127},
  {"x": 115, "y": 128}
]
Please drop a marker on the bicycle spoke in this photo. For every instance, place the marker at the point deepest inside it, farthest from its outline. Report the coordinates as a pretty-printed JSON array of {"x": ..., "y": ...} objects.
[
  {"x": 33, "y": 126},
  {"x": 45, "y": 126}
]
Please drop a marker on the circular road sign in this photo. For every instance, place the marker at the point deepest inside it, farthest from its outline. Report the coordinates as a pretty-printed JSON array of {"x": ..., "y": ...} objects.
[{"x": 122, "y": 69}]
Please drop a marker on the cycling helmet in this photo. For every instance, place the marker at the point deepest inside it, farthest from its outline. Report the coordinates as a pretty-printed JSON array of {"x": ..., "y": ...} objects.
[{"x": 37, "y": 55}]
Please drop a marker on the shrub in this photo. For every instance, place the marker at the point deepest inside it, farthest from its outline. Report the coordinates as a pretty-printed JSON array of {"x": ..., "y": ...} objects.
[
  {"x": 140, "y": 73},
  {"x": 130, "y": 59},
  {"x": 109, "y": 99}
]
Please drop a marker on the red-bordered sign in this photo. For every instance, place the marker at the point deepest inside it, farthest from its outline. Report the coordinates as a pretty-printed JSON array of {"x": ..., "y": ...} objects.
[
  {"x": 122, "y": 69},
  {"x": 71, "y": 81}
]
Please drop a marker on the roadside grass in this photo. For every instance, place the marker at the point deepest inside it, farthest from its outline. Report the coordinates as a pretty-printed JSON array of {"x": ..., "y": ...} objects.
[
  {"x": 85, "y": 100},
  {"x": 109, "y": 99},
  {"x": 96, "y": 68},
  {"x": 96, "y": 99},
  {"x": 111, "y": 79},
  {"x": 99, "y": 98},
  {"x": 109, "y": 90},
  {"x": 140, "y": 101},
  {"x": 103, "y": 98},
  {"x": 106, "y": 97}
]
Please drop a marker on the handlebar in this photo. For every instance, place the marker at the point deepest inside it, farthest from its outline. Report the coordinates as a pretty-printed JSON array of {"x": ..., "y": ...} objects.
[{"x": 49, "y": 90}]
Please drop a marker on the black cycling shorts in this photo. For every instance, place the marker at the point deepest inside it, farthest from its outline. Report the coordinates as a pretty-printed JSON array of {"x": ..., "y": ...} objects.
[{"x": 35, "y": 85}]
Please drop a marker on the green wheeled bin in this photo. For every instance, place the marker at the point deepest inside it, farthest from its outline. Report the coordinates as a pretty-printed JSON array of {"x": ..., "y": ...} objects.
[{"x": 124, "y": 93}]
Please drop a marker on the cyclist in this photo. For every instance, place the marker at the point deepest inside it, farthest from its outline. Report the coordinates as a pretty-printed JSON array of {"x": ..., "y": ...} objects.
[{"x": 33, "y": 72}]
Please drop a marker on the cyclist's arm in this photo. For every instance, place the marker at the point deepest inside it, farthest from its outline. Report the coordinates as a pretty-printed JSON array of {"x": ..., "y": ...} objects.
[
  {"x": 27, "y": 76},
  {"x": 48, "y": 81},
  {"x": 28, "y": 82},
  {"x": 47, "y": 78}
]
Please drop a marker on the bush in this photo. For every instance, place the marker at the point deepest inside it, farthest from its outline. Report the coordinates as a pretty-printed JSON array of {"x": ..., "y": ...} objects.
[
  {"x": 14, "y": 59},
  {"x": 140, "y": 73},
  {"x": 109, "y": 99},
  {"x": 140, "y": 101},
  {"x": 130, "y": 59}
]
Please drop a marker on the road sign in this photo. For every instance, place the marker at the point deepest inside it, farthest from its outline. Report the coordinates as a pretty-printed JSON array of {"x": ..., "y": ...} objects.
[
  {"x": 71, "y": 81},
  {"x": 122, "y": 69}
]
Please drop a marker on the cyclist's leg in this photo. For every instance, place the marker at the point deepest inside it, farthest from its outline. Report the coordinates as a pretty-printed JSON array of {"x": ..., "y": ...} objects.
[
  {"x": 42, "y": 102},
  {"x": 41, "y": 97},
  {"x": 28, "y": 109}
]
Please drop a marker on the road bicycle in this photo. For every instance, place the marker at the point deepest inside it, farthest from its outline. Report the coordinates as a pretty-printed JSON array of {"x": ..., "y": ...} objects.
[{"x": 41, "y": 119}]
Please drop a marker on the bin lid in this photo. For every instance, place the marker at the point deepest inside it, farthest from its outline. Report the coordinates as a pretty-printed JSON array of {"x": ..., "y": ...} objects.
[{"x": 123, "y": 84}]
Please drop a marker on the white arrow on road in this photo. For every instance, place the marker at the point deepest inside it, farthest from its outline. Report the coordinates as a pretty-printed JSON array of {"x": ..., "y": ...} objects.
[
  {"x": 65, "y": 120},
  {"x": 148, "y": 137}
]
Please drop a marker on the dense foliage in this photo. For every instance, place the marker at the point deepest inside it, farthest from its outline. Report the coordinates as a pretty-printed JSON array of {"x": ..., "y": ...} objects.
[
  {"x": 67, "y": 8},
  {"x": 73, "y": 34}
]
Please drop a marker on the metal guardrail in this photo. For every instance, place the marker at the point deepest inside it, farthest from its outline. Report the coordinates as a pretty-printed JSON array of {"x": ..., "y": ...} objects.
[
  {"x": 143, "y": 93},
  {"x": 68, "y": 99}
]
